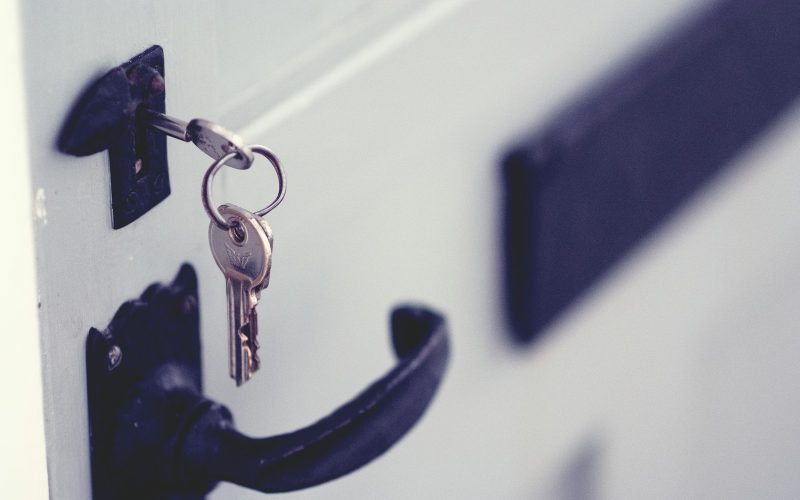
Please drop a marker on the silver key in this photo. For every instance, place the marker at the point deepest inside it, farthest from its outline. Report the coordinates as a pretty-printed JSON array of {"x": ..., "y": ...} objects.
[
  {"x": 244, "y": 254},
  {"x": 256, "y": 362}
]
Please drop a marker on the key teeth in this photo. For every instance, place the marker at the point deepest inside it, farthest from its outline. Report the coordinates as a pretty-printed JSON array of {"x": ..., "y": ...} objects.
[
  {"x": 248, "y": 348},
  {"x": 252, "y": 332},
  {"x": 255, "y": 361},
  {"x": 250, "y": 360}
]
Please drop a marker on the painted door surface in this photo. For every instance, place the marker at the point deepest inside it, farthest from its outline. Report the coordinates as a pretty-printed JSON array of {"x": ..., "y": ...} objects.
[{"x": 670, "y": 380}]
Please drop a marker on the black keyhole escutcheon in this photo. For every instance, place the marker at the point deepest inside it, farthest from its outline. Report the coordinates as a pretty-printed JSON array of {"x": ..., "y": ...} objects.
[{"x": 105, "y": 118}]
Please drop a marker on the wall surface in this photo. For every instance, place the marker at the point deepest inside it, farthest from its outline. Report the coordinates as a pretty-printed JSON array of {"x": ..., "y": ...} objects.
[
  {"x": 23, "y": 471},
  {"x": 669, "y": 380}
]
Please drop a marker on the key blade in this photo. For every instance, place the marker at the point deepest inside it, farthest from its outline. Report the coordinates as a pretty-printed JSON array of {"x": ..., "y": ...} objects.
[
  {"x": 252, "y": 327},
  {"x": 240, "y": 328},
  {"x": 248, "y": 332},
  {"x": 245, "y": 361},
  {"x": 251, "y": 343},
  {"x": 237, "y": 356}
]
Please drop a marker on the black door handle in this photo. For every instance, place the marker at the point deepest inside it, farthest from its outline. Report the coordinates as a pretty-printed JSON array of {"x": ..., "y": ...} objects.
[{"x": 155, "y": 436}]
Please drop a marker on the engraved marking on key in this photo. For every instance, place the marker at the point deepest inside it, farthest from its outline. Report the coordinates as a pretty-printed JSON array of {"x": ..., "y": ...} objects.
[
  {"x": 244, "y": 254},
  {"x": 238, "y": 259}
]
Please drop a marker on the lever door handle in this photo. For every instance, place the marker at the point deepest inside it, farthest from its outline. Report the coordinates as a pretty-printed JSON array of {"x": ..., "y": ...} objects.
[
  {"x": 343, "y": 441},
  {"x": 155, "y": 436}
]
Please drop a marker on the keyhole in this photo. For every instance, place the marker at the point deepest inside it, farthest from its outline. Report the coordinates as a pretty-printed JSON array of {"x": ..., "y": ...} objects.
[{"x": 141, "y": 146}]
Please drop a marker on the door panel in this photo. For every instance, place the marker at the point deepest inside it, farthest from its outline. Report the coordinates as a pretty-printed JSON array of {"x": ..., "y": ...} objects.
[{"x": 390, "y": 119}]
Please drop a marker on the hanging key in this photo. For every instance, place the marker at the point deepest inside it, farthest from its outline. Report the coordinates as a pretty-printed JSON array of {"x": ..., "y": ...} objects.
[
  {"x": 243, "y": 251},
  {"x": 241, "y": 242}
]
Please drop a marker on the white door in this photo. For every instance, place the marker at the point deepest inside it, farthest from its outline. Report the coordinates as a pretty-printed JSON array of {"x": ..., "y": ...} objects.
[{"x": 673, "y": 379}]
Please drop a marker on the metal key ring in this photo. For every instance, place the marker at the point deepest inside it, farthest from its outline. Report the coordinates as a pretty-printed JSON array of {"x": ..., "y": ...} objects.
[{"x": 208, "y": 179}]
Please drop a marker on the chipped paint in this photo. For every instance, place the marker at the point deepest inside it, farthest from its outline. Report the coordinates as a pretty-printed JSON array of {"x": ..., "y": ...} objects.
[{"x": 40, "y": 206}]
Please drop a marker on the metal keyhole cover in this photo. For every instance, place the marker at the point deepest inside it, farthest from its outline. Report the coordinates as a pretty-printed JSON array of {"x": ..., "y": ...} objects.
[{"x": 105, "y": 118}]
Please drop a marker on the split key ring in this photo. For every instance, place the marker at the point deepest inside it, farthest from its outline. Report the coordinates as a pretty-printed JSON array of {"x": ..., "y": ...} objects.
[{"x": 208, "y": 179}]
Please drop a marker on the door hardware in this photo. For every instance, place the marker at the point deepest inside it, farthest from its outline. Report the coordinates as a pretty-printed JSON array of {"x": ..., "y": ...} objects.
[
  {"x": 123, "y": 112},
  {"x": 105, "y": 119},
  {"x": 154, "y": 435},
  {"x": 587, "y": 189}
]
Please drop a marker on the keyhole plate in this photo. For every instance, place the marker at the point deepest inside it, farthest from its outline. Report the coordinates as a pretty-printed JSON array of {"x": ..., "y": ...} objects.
[
  {"x": 138, "y": 158},
  {"x": 105, "y": 117}
]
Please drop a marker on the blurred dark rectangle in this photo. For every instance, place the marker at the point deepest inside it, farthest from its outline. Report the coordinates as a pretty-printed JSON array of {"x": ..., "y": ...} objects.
[{"x": 584, "y": 191}]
